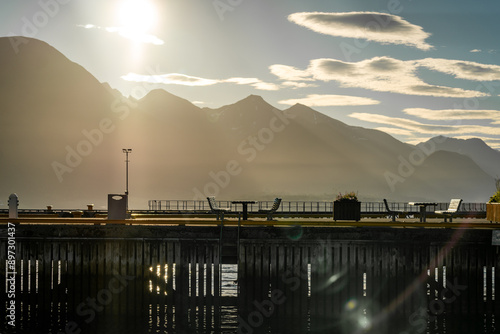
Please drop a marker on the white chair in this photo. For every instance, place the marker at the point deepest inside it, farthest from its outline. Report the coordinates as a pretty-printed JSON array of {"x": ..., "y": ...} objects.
[{"x": 452, "y": 209}]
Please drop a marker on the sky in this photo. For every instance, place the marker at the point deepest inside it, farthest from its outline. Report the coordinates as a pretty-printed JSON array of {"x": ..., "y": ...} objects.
[{"x": 412, "y": 68}]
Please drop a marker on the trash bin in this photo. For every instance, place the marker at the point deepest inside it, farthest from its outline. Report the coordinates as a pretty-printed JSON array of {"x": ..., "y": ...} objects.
[{"x": 117, "y": 206}]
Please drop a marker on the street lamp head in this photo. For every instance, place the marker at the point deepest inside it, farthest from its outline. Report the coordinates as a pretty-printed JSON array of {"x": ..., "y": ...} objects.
[{"x": 127, "y": 150}]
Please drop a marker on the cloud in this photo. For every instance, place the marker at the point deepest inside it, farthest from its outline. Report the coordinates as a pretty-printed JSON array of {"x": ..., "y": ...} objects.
[
  {"x": 382, "y": 74},
  {"x": 291, "y": 73},
  {"x": 294, "y": 84},
  {"x": 256, "y": 83},
  {"x": 171, "y": 78},
  {"x": 450, "y": 114},
  {"x": 134, "y": 36},
  {"x": 462, "y": 69},
  {"x": 187, "y": 80},
  {"x": 331, "y": 100},
  {"x": 421, "y": 128},
  {"x": 475, "y": 50},
  {"x": 87, "y": 26},
  {"x": 395, "y": 131},
  {"x": 373, "y": 26}
]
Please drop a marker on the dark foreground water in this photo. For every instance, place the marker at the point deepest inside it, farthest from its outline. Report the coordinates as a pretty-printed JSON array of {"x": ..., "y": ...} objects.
[
  {"x": 101, "y": 315},
  {"x": 135, "y": 279}
]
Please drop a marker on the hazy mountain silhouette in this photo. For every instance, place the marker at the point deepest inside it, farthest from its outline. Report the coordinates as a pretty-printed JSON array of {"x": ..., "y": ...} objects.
[
  {"x": 316, "y": 155},
  {"x": 46, "y": 102},
  {"x": 486, "y": 157},
  {"x": 62, "y": 134}
]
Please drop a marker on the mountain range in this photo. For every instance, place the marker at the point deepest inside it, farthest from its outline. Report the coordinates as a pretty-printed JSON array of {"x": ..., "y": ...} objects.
[{"x": 62, "y": 133}]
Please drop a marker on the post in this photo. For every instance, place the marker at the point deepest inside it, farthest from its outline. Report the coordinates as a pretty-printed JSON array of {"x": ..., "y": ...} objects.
[
  {"x": 13, "y": 206},
  {"x": 126, "y": 151}
]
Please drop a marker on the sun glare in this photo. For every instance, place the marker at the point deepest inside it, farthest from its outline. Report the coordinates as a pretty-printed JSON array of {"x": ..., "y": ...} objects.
[{"x": 137, "y": 16}]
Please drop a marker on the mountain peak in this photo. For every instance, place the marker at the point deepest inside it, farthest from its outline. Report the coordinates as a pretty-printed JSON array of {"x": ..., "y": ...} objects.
[
  {"x": 458, "y": 141},
  {"x": 30, "y": 54},
  {"x": 253, "y": 97},
  {"x": 160, "y": 97},
  {"x": 486, "y": 157},
  {"x": 251, "y": 102},
  {"x": 300, "y": 105}
]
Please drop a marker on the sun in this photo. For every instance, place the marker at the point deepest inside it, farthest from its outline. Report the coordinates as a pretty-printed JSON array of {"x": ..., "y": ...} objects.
[{"x": 137, "y": 16}]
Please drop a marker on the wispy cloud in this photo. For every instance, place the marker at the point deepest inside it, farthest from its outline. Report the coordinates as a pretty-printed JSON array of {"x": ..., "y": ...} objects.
[
  {"x": 373, "y": 26},
  {"x": 138, "y": 37},
  {"x": 475, "y": 50},
  {"x": 462, "y": 69},
  {"x": 395, "y": 131},
  {"x": 187, "y": 80},
  {"x": 421, "y": 128},
  {"x": 171, "y": 78},
  {"x": 290, "y": 73},
  {"x": 316, "y": 100},
  {"x": 386, "y": 74},
  {"x": 254, "y": 82},
  {"x": 454, "y": 114},
  {"x": 294, "y": 84}
]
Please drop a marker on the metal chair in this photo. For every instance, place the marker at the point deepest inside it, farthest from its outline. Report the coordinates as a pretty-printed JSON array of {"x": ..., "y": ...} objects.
[
  {"x": 393, "y": 213},
  {"x": 219, "y": 212},
  {"x": 272, "y": 210}
]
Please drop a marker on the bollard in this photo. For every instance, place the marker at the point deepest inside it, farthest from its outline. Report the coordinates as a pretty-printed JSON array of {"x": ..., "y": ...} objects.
[
  {"x": 77, "y": 214},
  {"x": 89, "y": 213},
  {"x": 13, "y": 206}
]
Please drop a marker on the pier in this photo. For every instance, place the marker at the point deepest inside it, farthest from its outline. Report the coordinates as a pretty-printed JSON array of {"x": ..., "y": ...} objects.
[{"x": 169, "y": 275}]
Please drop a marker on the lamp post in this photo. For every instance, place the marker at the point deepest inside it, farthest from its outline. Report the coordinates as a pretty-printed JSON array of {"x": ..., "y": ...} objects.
[{"x": 127, "y": 151}]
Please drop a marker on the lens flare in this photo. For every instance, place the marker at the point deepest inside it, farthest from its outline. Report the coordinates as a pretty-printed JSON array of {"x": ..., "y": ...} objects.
[{"x": 351, "y": 305}]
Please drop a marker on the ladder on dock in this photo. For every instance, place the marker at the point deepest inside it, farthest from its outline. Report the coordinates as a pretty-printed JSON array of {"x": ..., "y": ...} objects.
[{"x": 229, "y": 242}]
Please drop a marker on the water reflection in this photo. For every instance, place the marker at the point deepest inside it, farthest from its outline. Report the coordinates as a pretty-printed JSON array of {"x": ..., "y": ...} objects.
[
  {"x": 278, "y": 287},
  {"x": 356, "y": 314}
]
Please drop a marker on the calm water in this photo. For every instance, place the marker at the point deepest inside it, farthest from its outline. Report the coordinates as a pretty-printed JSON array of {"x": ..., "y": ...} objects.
[{"x": 354, "y": 320}]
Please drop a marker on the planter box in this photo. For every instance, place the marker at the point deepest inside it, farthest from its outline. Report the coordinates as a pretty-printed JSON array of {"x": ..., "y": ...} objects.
[
  {"x": 346, "y": 210},
  {"x": 493, "y": 212}
]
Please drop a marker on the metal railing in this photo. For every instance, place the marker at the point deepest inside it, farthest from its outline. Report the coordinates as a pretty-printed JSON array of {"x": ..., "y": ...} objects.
[
  {"x": 286, "y": 207},
  {"x": 302, "y": 206}
]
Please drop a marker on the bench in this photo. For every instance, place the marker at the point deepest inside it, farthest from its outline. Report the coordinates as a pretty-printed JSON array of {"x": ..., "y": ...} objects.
[
  {"x": 272, "y": 210},
  {"x": 219, "y": 212},
  {"x": 452, "y": 209},
  {"x": 392, "y": 213}
]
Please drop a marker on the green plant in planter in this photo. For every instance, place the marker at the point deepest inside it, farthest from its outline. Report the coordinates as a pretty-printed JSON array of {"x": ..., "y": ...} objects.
[
  {"x": 347, "y": 197},
  {"x": 496, "y": 197}
]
